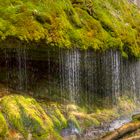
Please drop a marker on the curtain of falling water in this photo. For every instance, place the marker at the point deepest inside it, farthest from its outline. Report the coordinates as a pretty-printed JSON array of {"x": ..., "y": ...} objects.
[
  {"x": 89, "y": 76},
  {"x": 16, "y": 70},
  {"x": 19, "y": 61},
  {"x": 137, "y": 75},
  {"x": 105, "y": 76},
  {"x": 25, "y": 68},
  {"x": 81, "y": 76},
  {"x": 107, "y": 72},
  {"x": 71, "y": 68},
  {"x": 62, "y": 74},
  {"x": 6, "y": 67},
  {"x": 115, "y": 74},
  {"x": 130, "y": 77},
  {"x": 49, "y": 69},
  {"x": 22, "y": 68}
]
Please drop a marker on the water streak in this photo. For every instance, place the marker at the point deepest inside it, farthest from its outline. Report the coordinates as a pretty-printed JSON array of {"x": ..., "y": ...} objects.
[{"x": 77, "y": 75}]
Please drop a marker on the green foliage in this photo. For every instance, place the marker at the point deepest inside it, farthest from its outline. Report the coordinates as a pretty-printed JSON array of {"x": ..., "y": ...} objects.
[{"x": 98, "y": 24}]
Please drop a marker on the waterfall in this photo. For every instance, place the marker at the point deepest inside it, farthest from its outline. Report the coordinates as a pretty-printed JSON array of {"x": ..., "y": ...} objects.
[
  {"x": 62, "y": 73},
  {"x": 72, "y": 73},
  {"x": 81, "y": 76},
  {"x": 138, "y": 78},
  {"x": 25, "y": 68},
  {"x": 89, "y": 75},
  {"x": 20, "y": 76},
  {"x": 22, "y": 68},
  {"x": 16, "y": 68},
  {"x": 108, "y": 71},
  {"x": 115, "y": 69},
  {"x": 6, "y": 58}
]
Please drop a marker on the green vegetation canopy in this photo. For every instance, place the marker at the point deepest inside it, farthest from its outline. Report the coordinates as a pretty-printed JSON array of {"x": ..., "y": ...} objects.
[{"x": 97, "y": 24}]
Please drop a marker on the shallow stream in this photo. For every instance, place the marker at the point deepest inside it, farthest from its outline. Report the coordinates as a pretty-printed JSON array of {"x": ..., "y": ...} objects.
[{"x": 95, "y": 133}]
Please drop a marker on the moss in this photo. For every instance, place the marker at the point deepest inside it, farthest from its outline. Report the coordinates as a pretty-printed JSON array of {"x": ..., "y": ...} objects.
[
  {"x": 3, "y": 126},
  {"x": 105, "y": 115},
  {"x": 45, "y": 120},
  {"x": 53, "y": 110},
  {"x": 126, "y": 105},
  {"x": 74, "y": 122},
  {"x": 79, "y": 118},
  {"x": 83, "y": 120},
  {"x": 26, "y": 115},
  {"x": 82, "y": 23}
]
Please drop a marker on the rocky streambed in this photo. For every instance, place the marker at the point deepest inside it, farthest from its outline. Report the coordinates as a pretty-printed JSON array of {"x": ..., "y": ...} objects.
[{"x": 97, "y": 133}]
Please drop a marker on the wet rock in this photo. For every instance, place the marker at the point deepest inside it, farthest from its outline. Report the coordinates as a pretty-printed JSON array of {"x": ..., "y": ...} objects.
[
  {"x": 26, "y": 116},
  {"x": 71, "y": 137},
  {"x": 70, "y": 131}
]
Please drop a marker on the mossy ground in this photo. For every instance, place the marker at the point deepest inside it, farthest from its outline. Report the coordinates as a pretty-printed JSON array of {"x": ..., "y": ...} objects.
[
  {"x": 26, "y": 116},
  {"x": 67, "y": 23},
  {"x": 53, "y": 110},
  {"x": 3, "y": 126},
  {"x": 23, "y": 116}
]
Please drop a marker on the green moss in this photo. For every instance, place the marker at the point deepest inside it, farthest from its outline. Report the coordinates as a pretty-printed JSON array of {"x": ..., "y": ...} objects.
[
  {"x": 83, "y": 120},
  {"x": 79, "y": 118},
  {"x": 45, "y": 120},
  {"x": 26, "y": 115},
  {"x": 3, "y": 126},
  {"x": 82, "y": 23},
  {"x": 126, "y": 105},
  {"x": 105, "y": 115},
  {"x": 74, "y": 122},
  {"x": 53, "y": 110}
]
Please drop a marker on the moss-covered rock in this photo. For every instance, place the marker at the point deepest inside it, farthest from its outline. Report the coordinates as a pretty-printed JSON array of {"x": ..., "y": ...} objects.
[
  {"x": 126, "y": 105},
  {"x": 105, "y": 115},
  {"x": 3, "y": 126},
  {"x": 83, "y": 120},
  {"x": 79, "y": 118},
  {"x": 73, "y": 122},
  {"x": 26, "y": 115},
  {"x": 23, "y": 116},
  {"x": 98, "y": 24},
  {"x": 53, "y": 110}
]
